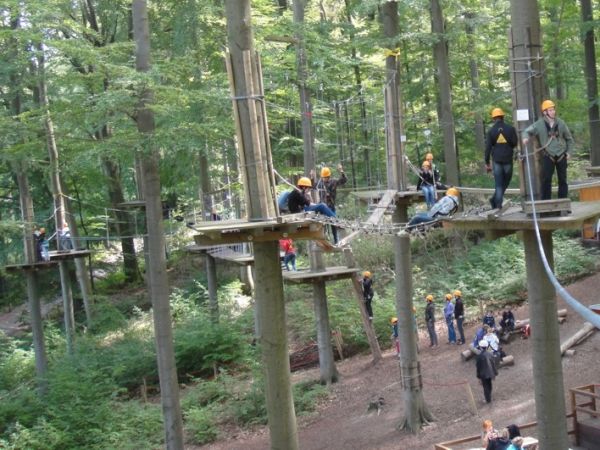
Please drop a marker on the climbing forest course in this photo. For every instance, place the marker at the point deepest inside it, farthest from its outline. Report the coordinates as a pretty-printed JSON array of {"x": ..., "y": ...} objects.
[{"x": 261, "y": 224}]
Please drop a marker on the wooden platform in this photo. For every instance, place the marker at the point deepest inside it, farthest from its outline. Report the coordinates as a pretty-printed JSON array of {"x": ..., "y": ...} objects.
[
  {"x": 54, "y": 258},
  {"x": 593, "y": 171},
  {"x": 295, "y": 226},
  {"x": 329, "y": 274},
  {"x": 514, "y": 219}
]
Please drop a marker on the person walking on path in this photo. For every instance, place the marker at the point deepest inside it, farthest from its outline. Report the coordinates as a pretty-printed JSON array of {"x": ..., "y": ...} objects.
[
  {"x": 367, "y": 285},
  {"x": 449, "y": 316},
  {"x": 289, "y": 256},
  {"x": 395, "y": 339},
  {"x": 486, "y": 370},
  {"x": 426, "y": 184},
  {"x": 327, "y": 190},
  {"x": 556, "y": 143},
  {"x": 500, "y": 144},
  {"x": 459, "y": 315},
  {"x": 430, "y": 321}
]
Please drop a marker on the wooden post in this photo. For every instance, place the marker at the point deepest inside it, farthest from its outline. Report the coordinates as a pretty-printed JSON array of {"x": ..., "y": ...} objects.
[
  {"x": 416, "y": 412},
  {"x": 547, "y": 364},
  {"x": 211, "y": 275}
]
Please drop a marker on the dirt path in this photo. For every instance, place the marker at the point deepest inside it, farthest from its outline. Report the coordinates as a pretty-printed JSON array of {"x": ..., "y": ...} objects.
[
  {"x": 12, "y": 323},
  {"x": 343, "y": 422}
]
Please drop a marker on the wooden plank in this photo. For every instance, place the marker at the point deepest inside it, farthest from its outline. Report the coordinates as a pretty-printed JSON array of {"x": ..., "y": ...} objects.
[
  {"x": 329, "y": 274},
  {"x": 547, "y": 206},
  {"x": 248, "y": 236}
]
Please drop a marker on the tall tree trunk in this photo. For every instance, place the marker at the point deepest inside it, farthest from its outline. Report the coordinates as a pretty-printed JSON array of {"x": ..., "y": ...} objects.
[
  {"x": 59, "y": 204},
  {"x": 546, "y": 360},
  {"x": 31, "y": 278},
  {"x": 591, "y": 78},
  {"x": 446, "y": 119},
  {"x": 158, "y": 283},
  {"x": 416, "y": 412},
  {"x": 556, "y": 15},
  {"x": 474, "y": 71},
  {"x": 123, "y": 226},
  {"x": 253, "y": 149},
  {"x": 303, "y": 89},
  {"x": 526, "y": 70},
  {"x": 393, "y": 101}
]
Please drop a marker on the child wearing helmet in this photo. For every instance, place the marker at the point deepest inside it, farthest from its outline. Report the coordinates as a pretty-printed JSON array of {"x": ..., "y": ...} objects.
[
  {"x": 395, "y": 340},
  {"x": 327, "y": 191},
  {"x": 426, "y": 183},
  {"x": 367, "y": 287},
  {"x": 443, "y": 207},
  {"x": 430, "y": 321},
  {"x": 299, "y": 199},
  {"x": 556, "y": 141}
]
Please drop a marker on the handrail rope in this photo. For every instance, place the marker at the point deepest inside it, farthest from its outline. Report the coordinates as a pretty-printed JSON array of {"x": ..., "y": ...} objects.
[{"x": 580, "y": 309}]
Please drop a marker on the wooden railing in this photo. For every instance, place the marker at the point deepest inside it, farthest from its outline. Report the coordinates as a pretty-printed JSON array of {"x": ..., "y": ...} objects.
[{"x": 589, "y": 407}]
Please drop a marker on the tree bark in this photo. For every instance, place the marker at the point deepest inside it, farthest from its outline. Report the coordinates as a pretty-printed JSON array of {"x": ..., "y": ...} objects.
[
  {"x": 547, "y": 365},
  {"x": 591, "y": 78},
  {"x": 416, "y": 412},
  {"x": 211, "y": 275},
  {"x": 158, "y": 283},
  {"x": 393, "y": 101},
  {"x": 527, "y": 71},
  {"x": 475, "y": 86},
  {"x": 446, "y": 119},
  {"x": 246, "y": 83}
]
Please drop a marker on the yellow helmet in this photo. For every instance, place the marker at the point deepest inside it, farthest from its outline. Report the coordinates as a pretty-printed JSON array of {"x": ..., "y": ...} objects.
[
  {"x": 497, "y": 112},
  {"x": 42, "y": 230},
  {"x": 457, "y": 293},
  {"x": 448, "y": 296},
  {"x": 546, "y": 104},
  {"x": 429, "y": 156},
  {"x": 325, "y": 172},
  {"x": 426, "y": 164},
  {"x": 452, "y": 191},
  {"x": 304, "y": 181},
  {"x": 429, "y": 298},
  {"x": 394, "y": 320},
  {"x": 367, "y": 274}
]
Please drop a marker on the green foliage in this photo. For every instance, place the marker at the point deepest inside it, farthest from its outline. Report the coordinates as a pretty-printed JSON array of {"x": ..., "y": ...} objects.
[
  {"x": 306, "y": 396},
  {"x": 107, "y": 316},
  {"x": 16, "y": 368},
  {"x": 200, "y": 424}
]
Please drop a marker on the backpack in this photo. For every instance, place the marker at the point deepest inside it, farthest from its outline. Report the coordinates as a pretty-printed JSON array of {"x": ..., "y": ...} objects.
[{"x": 282, "y": 201}]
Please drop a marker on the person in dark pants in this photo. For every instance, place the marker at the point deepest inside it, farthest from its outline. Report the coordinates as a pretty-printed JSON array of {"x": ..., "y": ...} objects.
[
  {"x": 459, "y": 315},
  {"x": 556, "y": 142},
  {"x": 299, "y": 200},
  {"x": 500, "y": 143},
  {"x": 367, "y": 285},
  {"x": 430, "y": 320},
  {"x": 486, "y": 370},
  {"x": 327, "y": 189}
]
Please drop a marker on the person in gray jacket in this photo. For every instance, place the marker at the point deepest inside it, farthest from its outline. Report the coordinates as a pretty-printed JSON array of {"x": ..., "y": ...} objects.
[{"x": 556, "y": 144}]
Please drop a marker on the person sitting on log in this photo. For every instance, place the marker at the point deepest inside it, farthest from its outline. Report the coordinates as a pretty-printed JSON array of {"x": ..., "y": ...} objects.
[
  {"x": 479, "y": 335},
  {"x": 507, "y": 324},
  {"x": 489, "y": 319},
  {"x": 443, "y": 207}
]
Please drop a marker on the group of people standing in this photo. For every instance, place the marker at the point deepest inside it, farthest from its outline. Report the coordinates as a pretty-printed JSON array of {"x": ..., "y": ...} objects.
[
  {"x": 42, "y": 243},
  {"x": 454, "y": 310}
]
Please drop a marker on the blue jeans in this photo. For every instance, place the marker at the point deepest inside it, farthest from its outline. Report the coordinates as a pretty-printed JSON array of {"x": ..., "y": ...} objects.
[
  {"x": 502, "y": 176},
  {"x": 320, "y": 208},
  {"x": 420, "y": 218},
  {"x": 451, "y": 333},
  {"x": 429, "y": 193},
  {"x": 290, "y": 258}
]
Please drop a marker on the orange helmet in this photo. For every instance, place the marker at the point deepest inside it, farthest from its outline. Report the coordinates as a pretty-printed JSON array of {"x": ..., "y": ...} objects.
[
  {"x": 457, "y": 293},
  {"x": 367, "y": 274},
  {"x": 305, "y": 182},
  {"x": 497, "y": 112},
  {"x": 452, "y": 191},
  {"x": 325, "y": 172},
  {"x": 547, "y": 104},
  {"x": 448, "y": 296},
  {"x": 429, "y": 298},
  {"x": 394, "y": 320},
  {"x": 429, "y": 156}
]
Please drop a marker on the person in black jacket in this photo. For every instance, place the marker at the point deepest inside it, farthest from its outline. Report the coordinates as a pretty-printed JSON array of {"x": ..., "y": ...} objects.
[
  {"x": 367, "y": 286},
  {"x": 500, "y": 143},
  {"x": 486, "y": 370},
  {"x": 430, "y": 320},
  {"x": 459, "y": 315}
]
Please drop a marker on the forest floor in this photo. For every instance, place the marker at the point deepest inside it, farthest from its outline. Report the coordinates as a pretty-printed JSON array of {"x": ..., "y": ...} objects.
[{"x": 343, "y": 422}]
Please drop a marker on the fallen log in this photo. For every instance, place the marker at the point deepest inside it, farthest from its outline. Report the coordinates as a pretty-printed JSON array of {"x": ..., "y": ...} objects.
[
  {"x": 508, "y": 360},
  {"x": 561, "y": 315},
  {"x": 585, "y": 331}
]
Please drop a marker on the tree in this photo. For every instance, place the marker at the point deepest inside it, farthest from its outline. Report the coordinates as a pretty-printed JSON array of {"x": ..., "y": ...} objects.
[
  {"x": 591, "y": 78},
  {"x": 158, "y": 284},
  {"x": 446, "y": 118}
]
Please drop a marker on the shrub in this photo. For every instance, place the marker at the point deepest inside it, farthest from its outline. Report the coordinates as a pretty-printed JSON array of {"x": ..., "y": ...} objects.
[{"x": 200, "y": 424}]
